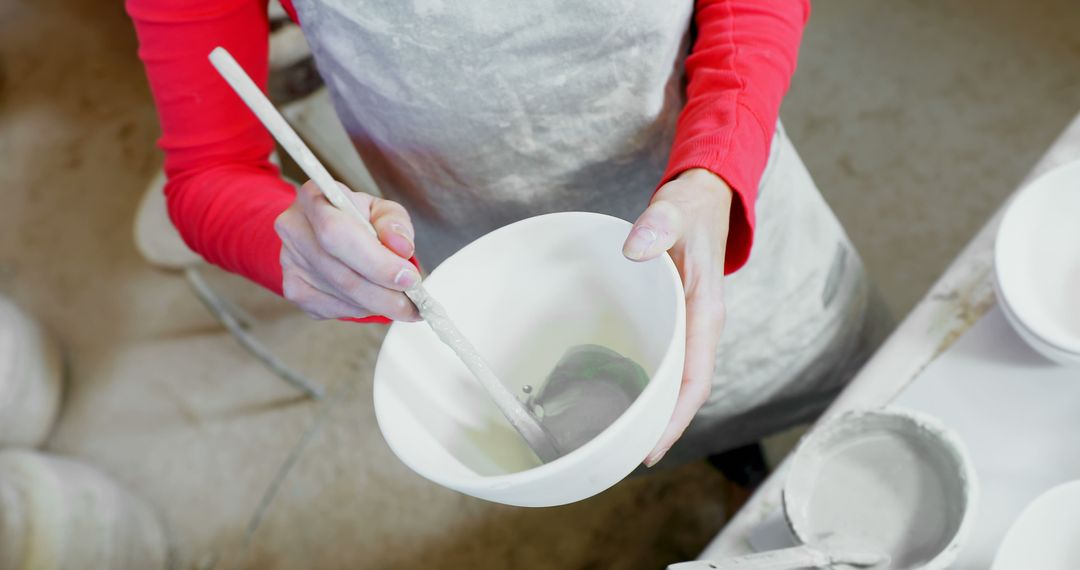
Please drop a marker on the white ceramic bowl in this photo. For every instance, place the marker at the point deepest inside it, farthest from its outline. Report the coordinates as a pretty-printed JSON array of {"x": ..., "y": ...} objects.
[
  {"x": 1032, "y": 339},
  {"x": 1037, "y": 264},
  {"x": 1044, "y": 536},
  {"x": 523, "y": 294},
  {"x": 904, "y": 462}
]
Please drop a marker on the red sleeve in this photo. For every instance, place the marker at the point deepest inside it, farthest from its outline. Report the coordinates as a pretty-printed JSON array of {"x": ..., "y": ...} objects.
[
  {"x": 223, "y": 193},
  {"x": 737, "y": 73}
]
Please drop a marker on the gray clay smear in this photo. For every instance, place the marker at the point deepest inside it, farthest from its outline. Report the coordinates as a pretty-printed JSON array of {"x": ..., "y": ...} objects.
[{"x": 589, "y": 388}]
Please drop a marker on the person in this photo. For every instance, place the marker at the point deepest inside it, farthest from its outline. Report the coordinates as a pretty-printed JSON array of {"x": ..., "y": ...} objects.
[{"x": 473, "y": 115}]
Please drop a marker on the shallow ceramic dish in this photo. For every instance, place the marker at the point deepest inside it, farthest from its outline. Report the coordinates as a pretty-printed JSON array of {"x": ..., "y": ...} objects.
[
  {"x": 911, "y": 477},
  {"x": 524, "y": 294},
  {"x": 1037, "y": 263},
  {"x": 1045, "y": 535}
]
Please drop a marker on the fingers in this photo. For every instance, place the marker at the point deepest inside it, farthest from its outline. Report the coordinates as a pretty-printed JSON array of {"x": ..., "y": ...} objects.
[
  {"x": 390, "y": 220},
  {"x": 323, "y": 284},
  {"x": 314, "y": 302},
  {"x": 704, "y": 323},
  {"x": 688, "y": 217},
  {"x": 348, "y": 241},
  {"x": 658, "y": 228},
  {"x": 333, "y": 278}
]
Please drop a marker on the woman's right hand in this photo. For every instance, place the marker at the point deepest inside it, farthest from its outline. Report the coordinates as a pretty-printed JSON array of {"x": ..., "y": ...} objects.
[{"x": 332, "y": 267}]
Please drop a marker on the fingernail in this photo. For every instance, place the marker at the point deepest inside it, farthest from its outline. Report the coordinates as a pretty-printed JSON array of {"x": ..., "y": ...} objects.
[
  {"x": 400, "y": 230},
  {"x": 406, "y": 278},
  {"x": 641, "y": 239},
  {"x": 403, "y": 244},
  {"x": 655, "y": 458}
]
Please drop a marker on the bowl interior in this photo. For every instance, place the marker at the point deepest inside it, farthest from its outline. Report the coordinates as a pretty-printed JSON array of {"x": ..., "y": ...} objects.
[
  {"x": 879, "y": 482},
  {"x": 523, "y": 295},
  {"x": 1037, "y": 257}
]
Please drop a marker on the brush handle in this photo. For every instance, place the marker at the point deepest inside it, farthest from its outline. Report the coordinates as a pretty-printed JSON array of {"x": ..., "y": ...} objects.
[
  {"x": 254, "y": 98},
  {"x": 431, "y": 311},
  {"x": 786, "y": 559}
]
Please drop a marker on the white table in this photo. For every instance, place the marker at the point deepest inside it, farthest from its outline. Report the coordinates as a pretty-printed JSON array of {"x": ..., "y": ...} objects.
[{"x": 961, "y": 296}]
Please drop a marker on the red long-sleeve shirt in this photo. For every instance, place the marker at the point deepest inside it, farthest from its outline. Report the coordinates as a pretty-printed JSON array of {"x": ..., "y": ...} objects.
[{"x": 223, "y": 193}]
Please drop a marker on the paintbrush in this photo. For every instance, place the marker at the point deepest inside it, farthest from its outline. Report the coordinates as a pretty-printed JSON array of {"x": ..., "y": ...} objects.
[{"x": 430, "y": 310}]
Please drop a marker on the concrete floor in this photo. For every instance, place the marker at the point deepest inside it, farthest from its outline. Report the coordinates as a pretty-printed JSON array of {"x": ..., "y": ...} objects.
[{"x": 916, "y": 118}]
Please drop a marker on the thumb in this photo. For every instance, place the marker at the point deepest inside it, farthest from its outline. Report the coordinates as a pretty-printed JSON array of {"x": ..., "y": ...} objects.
[
  {"x": 658, "y": 228},
  {"x": 393, "y": 226}
]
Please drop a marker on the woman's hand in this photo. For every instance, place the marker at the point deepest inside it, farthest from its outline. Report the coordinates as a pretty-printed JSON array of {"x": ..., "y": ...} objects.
[
  {"x": 688, "y": 217},
  {"x": 332, "y": 267}
]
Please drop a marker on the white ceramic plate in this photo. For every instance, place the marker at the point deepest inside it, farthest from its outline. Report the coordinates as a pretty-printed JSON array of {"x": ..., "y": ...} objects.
[{"x": 1047, "y": 534}]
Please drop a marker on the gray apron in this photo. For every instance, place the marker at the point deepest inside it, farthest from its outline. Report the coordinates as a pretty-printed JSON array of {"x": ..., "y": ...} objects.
[{"x": 477, "y": 114}]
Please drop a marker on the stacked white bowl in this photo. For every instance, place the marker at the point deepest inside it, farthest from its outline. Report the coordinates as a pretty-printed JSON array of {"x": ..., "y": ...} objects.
[{"x": 1037, "y": 264}]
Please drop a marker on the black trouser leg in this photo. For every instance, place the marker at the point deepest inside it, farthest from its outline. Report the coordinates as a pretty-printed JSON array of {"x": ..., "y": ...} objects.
[{"x": 744, "y": 466}]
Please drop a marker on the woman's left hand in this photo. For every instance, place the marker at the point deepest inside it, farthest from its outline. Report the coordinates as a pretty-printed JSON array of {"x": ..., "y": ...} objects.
[{"x": 688, "y": 217}]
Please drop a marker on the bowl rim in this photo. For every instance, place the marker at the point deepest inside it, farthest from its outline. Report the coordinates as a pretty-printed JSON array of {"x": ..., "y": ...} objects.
[
  {"x": 1006, "y": 286},
  {"x": 528, "y": 476},
  {"x": 1039, "y": 345},
  {"x": 946, "y": 439}
]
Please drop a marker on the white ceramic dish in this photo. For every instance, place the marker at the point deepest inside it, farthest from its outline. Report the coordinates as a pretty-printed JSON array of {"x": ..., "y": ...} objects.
[
  {"x": 914, "y": 480},
  {"x": 524, "y": 294},
  {"x": 1032, "y": 339},
  {"x": 1037, "y": 263},
  {"x": 1045, "y": 535}
]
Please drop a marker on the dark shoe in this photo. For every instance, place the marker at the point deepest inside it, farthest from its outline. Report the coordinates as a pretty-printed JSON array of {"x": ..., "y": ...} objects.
[{"x": 744, "y": 466}]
